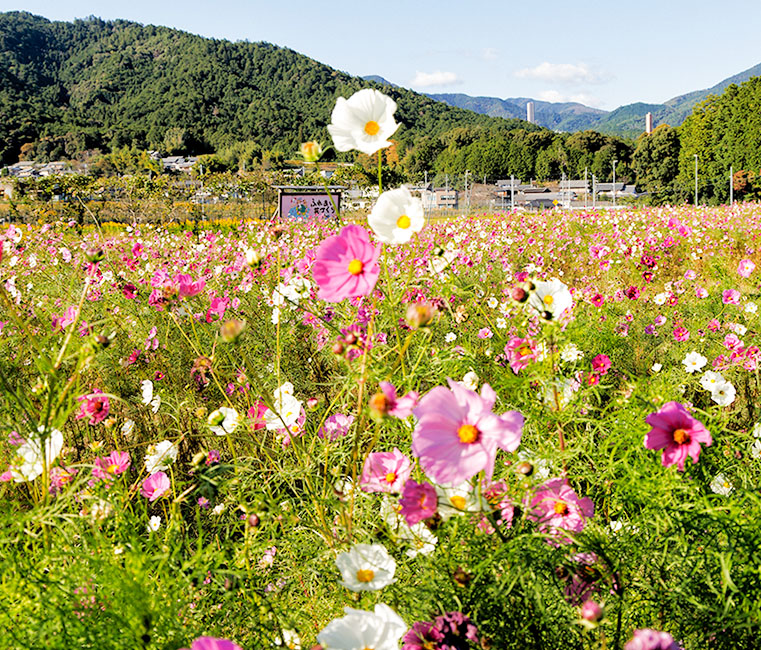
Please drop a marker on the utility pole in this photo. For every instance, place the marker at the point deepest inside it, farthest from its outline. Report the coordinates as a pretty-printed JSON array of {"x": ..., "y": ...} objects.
[
  {"x": 512, "y": 192},
  {"x": 467, "y": 197},
  {"x": 614, "y": 182},
  {"x": 594, "y": 192},
  {"x": 586, "y": 189},
  {"x": 696, "y": 179}
]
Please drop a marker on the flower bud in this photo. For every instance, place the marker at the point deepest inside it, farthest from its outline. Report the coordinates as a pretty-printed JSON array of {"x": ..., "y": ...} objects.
[
  {"x": 311, "y": 151},
  {"x": 231, "y": 330},
  {"x": 338, "y": 347},
  {"x": 591, "y": 611},
  {"x": 419, "y": 314},
  {"x": 379, "y": 404},
  {"x": 525, "y": 468},
  {"x": 253, "y": 258},
  {"x": 94, "y": 255},
  {"x": 519, "y": 294}
]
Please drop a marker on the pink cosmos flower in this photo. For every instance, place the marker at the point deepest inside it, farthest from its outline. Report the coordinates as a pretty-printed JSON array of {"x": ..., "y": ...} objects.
[
  {"x": 681, "y": 333},
  {"x": 387, "y": 401},
  {"x": 94, "y": 407},
  {"x": 485, "y": 333},
  {"x": 557, "y": 508},
  {"x": 346, "y": 265},
  {"x": 155, "y": 486},
  {"x": 676, "y": 432},
  {"x": 521, "y": 352},
  {"x": 212, "y": 643},
  {"x": 66, "y": 319},
  {"x": 419, "y": 501},
  {"x": 598, "y": 299},
  {"x": 701, "y": 292},
  {"x": 745, "y": 268},
  {"x": 117, "y": 462},
  {"x": 385, "y": 471},
  {"x": 730, "y": 297},
  {"x": 336, "y": 426},
  {"x": 256, "y": 414},
  {"x": 186, "y": 287},
  {"x": 648, "y": 639},
  {"x": 457, "y": 434},
  {"x": 601, "y": 364}
]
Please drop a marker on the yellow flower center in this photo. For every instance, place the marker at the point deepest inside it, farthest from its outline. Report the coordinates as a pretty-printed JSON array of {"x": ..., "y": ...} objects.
[
  {"x": 468, "y": 434},
  {"x": 458, "y": 502},
  {"x": 355, "y": 267},
  {"x": 372, "y": 128},
  {"x": 524, "y": 351},
  {"x": 548, "y": 300},
  {"x": 390, "y": 477},
  {"x": 403, "y": 222},
  {"x": 681, "y": 436},
  {"x": 112, "y": 468},
  {"x": 560, "y": 508},
  {"x": 365, "y": 575}
]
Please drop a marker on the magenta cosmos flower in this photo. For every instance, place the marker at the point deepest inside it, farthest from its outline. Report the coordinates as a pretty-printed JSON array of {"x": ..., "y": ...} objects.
[
  {"x": 387, "y": 401},
  {"x": 419, "y": 501},
  {"x": 521, "y": 352},
  {"x": 385, "y": 471},
  {"x": 155, "y": 486},
  {"x": 558, "y": 508},
  {"x": 212, "y": 643},
  {"x": 648, "y": 639},
  {"x": 677, "y": 433},
  {"x": 94, "y": 407},
  {"x": 457, "y": 434},
  {"x": 346, "y": 265},
  {"x": 117, "y": 462}
]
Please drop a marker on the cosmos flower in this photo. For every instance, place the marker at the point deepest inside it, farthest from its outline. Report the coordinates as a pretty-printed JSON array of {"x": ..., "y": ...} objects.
[
  {"x": 385, "y": 471},
  {"x": 366, "y": 567},
  {"x": 550, "y": 299},
  {"x": 346, "y": 265},
  {"x": 694, "y": 361},
  {"x": 557, "y": 508},
  {"x": 676, "y": 432},
  {"x": 363, "y": 122},
  {"x": 396, "y": 216},
  {"x": 155, "y": 486},
  {"x": 380, "y": 630},
  {"x": 457, "y": 434},
  {"x": 223, "y": 421}
]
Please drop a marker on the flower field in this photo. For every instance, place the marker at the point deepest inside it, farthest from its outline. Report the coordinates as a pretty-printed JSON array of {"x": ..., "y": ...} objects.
[{"x": 529, "y": 430}]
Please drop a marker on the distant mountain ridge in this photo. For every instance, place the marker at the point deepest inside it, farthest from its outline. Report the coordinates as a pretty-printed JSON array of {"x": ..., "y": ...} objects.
[{"x": 627, "y": 120}]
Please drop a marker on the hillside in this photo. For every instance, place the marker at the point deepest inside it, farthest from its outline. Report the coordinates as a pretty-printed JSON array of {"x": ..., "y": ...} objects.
[
  {"x": 95, "y": 84},
  {"x": 626, "y": 121}
]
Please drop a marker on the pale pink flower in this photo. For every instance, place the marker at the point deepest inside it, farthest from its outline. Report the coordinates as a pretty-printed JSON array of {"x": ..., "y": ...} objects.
[
  {"x": 419, "y": 501},
  {"x": 387, "y": 402},
  {"x": 155, "y": 486},
  {"x": 557, "y": 508},
  {"x": 521, "y": 352},
  {"x": 457, "y": 434},
  {"x": 212, "y": 643},
  {"x": 730, "y": 297},
  {"x": 745, "y": 268},
  {"x": 385, "y": 471}
]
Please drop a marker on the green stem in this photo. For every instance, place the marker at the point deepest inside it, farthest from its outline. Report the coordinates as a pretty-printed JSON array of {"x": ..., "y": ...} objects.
[{"x": 380, "y": 178}]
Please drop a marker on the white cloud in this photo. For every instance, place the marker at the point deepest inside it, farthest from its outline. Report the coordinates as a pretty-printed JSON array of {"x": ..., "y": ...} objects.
[
  {"x": 438, "y": 78},
  {"x": 567, "y": 73},
  {"x": 581, "y": 98},
  {"x": 489, "y": 54}
]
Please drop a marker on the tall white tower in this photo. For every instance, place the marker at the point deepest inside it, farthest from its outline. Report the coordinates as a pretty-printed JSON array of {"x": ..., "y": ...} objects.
[
  {"x": 649, "y": 123},
  {"x": 530, "y": 113}
]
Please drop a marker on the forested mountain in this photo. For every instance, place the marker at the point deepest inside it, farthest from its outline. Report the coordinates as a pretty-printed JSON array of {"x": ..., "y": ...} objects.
[
  {"x": 68, "y": 87},
  {"x": 626, "y": 121}
]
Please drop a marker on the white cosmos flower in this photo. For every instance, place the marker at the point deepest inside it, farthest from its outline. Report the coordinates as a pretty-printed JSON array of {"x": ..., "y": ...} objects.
[
  {"x": 366, "y": 567},
  {"x": 29, "y": 462},
  {"x": 550, "y": 299},
  {"x": 364, "y": 122},
  {"x": 723, "y": 393},
  {"x": 361, "y": 630},
  {"x": 396, "y": 216},
  {"x": 224, "y": 420},
  {"x": 159, "y": 457},
  {"x": 571, "y": 353},
  {"x": 287, "y": 409},
  {"x": 458, "y": 499},
  {"x": 711, "y": 379},
  {"x": 128, "y": 428},
  {"x": 148, "y": 397},
  {"x": 470, "y": 380},
  {"x": 694, "y": 361},
  {"x": 154, "y": 524},
  {"x": 720, "y": 485},
  {"x": 657, "y": 367}
]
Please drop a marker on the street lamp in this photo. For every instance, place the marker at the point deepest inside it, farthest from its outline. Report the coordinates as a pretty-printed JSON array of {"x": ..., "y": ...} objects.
[{"x": 614, "y": 182}]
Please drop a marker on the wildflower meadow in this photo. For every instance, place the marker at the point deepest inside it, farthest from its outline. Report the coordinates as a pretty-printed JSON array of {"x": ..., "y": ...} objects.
[{"x": 510, "y": 430}]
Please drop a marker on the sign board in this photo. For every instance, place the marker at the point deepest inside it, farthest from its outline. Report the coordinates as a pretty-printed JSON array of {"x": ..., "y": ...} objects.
[{"x": 308, "y": 203}]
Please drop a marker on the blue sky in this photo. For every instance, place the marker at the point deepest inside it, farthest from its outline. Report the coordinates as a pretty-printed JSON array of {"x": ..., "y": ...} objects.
[{"x": 593, "y": 52}]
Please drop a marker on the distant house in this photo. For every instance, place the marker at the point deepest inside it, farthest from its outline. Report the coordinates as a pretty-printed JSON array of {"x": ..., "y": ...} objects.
[
  {"x": 621, "y": 189},
  {"x": 179, "y": 163},
  {"x": 570, "y": 184}
]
